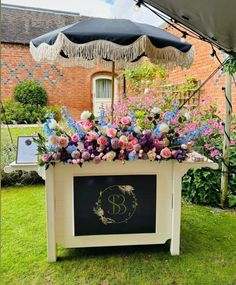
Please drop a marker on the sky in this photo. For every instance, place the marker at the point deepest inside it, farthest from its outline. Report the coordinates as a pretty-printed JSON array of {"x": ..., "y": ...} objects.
[{"x": 96, "y": 8}]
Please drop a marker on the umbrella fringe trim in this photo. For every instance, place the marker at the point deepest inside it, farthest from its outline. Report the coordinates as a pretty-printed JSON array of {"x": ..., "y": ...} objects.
[{"x": 94, "y": 52}]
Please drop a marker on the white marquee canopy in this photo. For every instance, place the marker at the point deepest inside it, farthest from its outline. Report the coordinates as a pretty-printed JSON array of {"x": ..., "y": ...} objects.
[{"x": 214, "y": 20}]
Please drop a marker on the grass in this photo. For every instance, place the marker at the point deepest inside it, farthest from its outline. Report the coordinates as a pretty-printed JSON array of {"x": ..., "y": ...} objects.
[
  {"x": 208, "y": 245},
  {"x": 15, "y": 132}
]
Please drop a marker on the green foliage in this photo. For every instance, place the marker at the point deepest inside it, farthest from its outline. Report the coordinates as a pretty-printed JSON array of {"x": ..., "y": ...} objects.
[
  {"x": 144, "y": 75},
  {"x": 203, "y": 186},
  {"x": 230, "y": 65},
  {"x": 30, "y": 92},
  {"x": 189, "y": 84},
  {"x": 16, "y": 112}
]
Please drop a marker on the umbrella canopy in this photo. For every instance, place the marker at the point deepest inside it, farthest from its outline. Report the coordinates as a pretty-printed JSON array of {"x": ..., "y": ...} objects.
[
  {"x": 212, "y": 19},
  {"x": 98, "y": 40}
]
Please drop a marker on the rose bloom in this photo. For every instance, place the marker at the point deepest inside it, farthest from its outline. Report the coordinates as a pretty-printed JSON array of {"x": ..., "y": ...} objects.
[
  {"x": 111, "y": 132},
  {"x": 184, "y": 146},
  {"x": 63, "y": 141},
  {"x": 85, "y": 115},
  {"x": 102, "y": 140},
  {"x": 86, "y": 125},
  {"x": 52, "y": 139},
  {"x": 164, "y": 128},
  {"x": 103, "y": 130},
  {"x": 124, "y": 139},
  {"x": 126, "y": 120},
  {"x": 129, "y": 147},
  {"x": 165, "y": 152},
  {"x": 91, "y": 136},
  {"x": 75, "y": 154},
  {"x": 174, "y": 153},
  {"x": 75, "y": 138},
  {"x": 110, "y": 155},
  {"x": 151, "y": 155}
]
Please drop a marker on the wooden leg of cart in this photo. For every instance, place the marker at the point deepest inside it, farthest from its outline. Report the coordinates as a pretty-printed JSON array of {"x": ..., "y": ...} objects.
[
  {"x": 50, "y": 210},
  {"x": 176, "y": 211}
]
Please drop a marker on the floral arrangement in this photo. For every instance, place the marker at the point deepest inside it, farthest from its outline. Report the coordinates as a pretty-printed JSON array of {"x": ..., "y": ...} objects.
[{"x": 141, "y": 130}]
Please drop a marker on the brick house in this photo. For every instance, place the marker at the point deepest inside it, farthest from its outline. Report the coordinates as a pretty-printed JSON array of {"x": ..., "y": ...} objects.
[
  {"x": 77, "y": 88},
  {"x": 80, "y": 88}
]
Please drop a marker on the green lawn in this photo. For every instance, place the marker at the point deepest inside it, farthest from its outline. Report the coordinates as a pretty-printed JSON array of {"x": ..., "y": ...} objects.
[{"x": 208, "y": 247}]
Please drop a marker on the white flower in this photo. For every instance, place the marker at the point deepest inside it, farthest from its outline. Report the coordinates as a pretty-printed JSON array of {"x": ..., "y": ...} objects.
[
  {"x": 124, "y": 139},
  {"x": 164, "y": 128},
  {"x": 52, "y": 139},
  {"x": 85, "y": 115},
  {"x": 156, "y": 110},
  {"x": 146, "y": 91},
  {"x": 53, "y": 124},
  {"x": 187, "y": 116},
  {"x": 103, "y": 130},
  {"x": 137, "y": 129}
]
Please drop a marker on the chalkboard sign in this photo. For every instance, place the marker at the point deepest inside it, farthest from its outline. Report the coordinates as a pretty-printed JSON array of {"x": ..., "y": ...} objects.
[{"x": 119, "y": 204}]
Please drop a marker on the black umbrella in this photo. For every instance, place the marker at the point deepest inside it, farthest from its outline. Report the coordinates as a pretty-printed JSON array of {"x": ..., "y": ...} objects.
[{"x": 98, "y": 40}]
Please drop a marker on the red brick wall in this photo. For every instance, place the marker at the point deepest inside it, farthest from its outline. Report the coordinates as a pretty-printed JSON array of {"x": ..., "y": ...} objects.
[
  {"x": 73, "y": 88},
  {"x": 204, "y": 64}
]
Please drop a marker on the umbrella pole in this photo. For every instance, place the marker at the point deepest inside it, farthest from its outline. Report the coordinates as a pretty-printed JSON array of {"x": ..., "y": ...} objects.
[
  {"x": 112, "y": 91},
  {"x": 226, "y": 143}
]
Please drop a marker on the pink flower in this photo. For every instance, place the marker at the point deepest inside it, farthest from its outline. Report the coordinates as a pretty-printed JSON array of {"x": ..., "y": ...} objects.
[
  {"x": 86, "y": 125},
  {"x": 75, "y": 138},
  {"x": 63, "y": 141},
  {"x": 126, "y": 120},
  {"x": 75, "y": 154},
  {"x": 232, "y": 142},
  {"x": 115, "y": 143},
  {"x": 174, "y": 153},
  {"x": 46, "y": 156},
  {"x": 111, "y": 132},
  {"x": 91, "y": 136},
  {"x": 86, "y": 155},
  {"x": 102, "y": 140},
  {"x": 165, "y": 152},
  {"x": 207, "y": 145},
  {"x": 214, "y": 152},
  {"x": 129, "y": 147}
]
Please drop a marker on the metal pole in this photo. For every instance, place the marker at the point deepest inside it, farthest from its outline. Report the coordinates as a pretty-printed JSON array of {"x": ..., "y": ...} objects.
[
  {"x": 226, "y": 143},
  {"x": 112, "y": 91}
]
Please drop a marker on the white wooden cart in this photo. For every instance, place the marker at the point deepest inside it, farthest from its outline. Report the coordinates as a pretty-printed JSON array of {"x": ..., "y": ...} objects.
[{"x": 60, "y": 212}]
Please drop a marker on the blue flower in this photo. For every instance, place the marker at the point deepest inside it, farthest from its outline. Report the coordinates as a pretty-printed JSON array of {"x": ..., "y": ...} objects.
[
  {"x": 132, "y": 155},
  {"x": 51, "y": 147},
  {"x": 156, "y": 131},
  {"x": 71, "y": 148}
]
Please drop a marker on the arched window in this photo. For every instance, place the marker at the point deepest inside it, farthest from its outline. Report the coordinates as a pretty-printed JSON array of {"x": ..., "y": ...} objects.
[{"x": 102, "y": 92}]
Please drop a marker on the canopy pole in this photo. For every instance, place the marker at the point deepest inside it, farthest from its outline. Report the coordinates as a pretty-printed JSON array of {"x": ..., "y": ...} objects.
[
  {"x": 112, "y": 91},
  {"x": 226, "y": 143}
]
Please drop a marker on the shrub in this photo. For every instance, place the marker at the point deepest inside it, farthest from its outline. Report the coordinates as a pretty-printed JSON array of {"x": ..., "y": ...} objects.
[
  {"x": 203, "y": 186},
  {"x": 16, "y": 112},
  {"x": 30, "y": 92}
]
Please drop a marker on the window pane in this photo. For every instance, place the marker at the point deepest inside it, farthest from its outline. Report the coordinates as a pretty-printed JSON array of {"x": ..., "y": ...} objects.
[{"x": 103, "y": 88}]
